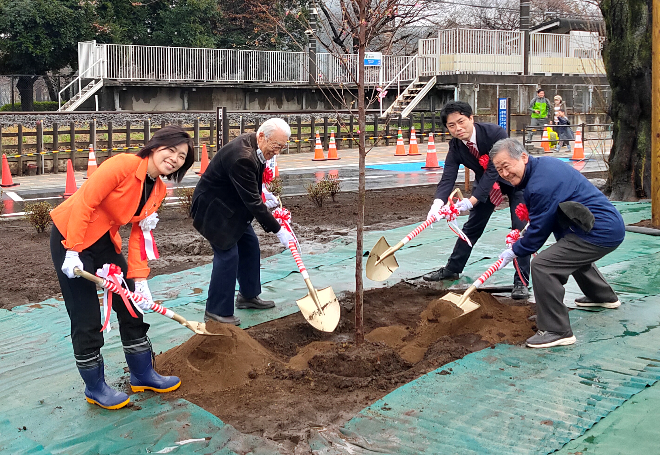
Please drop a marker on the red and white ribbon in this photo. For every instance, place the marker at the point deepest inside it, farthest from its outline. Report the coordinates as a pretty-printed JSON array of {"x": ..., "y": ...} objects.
[
  {"x": 298, "y": 259},
  {"x": 283, "y": 216},
  {"x": 148, "y": 249},
  {"x": 113, "y": 278}
]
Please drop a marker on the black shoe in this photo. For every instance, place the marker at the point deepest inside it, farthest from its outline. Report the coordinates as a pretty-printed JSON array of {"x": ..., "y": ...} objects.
[
  {"x": 440, "y": 275},
  {"x": 224, "y": 319},
  {"x": 586, "y": 302},
  {"x": 254, "y": 303},
  {"x": 544, "y": 339},
  {"x": 519, "y": 292}
]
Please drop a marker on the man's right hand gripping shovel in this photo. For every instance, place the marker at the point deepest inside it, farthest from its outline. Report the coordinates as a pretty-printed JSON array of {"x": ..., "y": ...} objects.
[{"x": 382, "y": 263}]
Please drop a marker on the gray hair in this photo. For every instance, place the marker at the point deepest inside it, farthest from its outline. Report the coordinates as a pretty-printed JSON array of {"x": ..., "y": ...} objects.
[
  {"x": 512, "y": 146},
  {"x": 273, "y": 124}
]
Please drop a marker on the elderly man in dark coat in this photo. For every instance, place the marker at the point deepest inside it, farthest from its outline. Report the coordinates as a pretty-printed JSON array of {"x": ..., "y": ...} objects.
[
  {"x": 226, "y": 200},
  {"x": 586, "y": 225}
]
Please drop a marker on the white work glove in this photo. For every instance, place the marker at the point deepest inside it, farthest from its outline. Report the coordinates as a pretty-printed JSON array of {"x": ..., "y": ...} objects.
[
  {"x": 285, "y": 237},
  {"x": 271, "y": 200},
  {"x": 508, "y": 255},
  {"x": 435, "y": 208},
  {"x": 142, "y": 289},
  {"x": 71, "y": 261},
  {"x": 464, "y": 205}
]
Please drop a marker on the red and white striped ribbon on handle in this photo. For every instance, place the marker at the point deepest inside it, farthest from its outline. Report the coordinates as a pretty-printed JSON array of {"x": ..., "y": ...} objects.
[
  {"x": 487, "y": 274},
  {"x": 112, "y": 285},
  {"x": 298, "y": 259}
]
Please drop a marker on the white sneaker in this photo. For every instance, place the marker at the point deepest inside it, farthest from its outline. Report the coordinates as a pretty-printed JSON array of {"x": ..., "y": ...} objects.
[{"x": 584, "y": 301}]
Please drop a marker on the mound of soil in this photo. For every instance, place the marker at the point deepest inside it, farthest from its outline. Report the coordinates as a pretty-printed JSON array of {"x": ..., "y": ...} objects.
[{"x": 282, "y": 378}]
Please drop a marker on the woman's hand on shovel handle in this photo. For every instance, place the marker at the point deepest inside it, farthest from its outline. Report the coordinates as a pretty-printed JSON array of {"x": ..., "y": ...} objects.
[{"x": 71, "y": 262}]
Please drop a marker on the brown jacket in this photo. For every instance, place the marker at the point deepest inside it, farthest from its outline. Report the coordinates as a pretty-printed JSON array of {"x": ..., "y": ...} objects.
[{"x": 107, "y": 201}]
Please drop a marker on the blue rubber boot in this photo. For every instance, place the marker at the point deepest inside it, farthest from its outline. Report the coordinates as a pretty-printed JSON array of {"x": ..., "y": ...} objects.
[
  {"x": 96, "y": 390},
  {"x": 143, "y": 376}
]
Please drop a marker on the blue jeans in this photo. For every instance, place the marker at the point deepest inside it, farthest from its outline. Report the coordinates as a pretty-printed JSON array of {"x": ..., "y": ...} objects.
[{"x": 240, "y": 262}]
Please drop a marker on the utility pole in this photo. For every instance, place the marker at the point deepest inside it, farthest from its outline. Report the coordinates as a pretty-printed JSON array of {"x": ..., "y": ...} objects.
[
  {"x": 311, "y": 36},
  {"x": 655, "y": 119},
  {"x": 524, "y": 27}
]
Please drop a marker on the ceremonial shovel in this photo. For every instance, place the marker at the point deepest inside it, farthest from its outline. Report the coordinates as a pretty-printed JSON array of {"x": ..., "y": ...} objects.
[
  {"x": 319, "y": 307},
  {"x": 198, "y": 327},
  {"x": 382, "y": 263},
  {"x": 464, "y": 302}
]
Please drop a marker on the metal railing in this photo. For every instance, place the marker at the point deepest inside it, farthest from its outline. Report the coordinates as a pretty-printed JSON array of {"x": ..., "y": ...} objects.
[
  {"x": 453, "y": 51},
  {"x": 93, "y": 72}
]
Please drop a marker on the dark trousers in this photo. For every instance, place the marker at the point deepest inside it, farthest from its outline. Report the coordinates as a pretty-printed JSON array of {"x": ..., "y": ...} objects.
[
  {"x": 550, "y": 271},
  {"x": 82, "y": 301},
  {"x": 238, "y": 262},
  {"x": 474, "y": 227}
]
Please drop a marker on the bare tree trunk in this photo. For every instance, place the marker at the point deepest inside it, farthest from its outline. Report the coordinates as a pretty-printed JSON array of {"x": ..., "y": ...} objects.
[
  {"x": 627, "y": 58},
  {"x": 25, "y": 86},
  {"x": 362, "y": 151}
]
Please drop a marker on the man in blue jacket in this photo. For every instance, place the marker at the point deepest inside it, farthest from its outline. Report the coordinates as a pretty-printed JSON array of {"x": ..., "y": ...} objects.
[
  {"x": 470, "y": 146},
  {"x": 585, "y": 224}
]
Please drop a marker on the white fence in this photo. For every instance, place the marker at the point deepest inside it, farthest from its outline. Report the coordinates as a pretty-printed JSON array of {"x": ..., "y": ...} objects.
[{"x": 453, "y": 51}]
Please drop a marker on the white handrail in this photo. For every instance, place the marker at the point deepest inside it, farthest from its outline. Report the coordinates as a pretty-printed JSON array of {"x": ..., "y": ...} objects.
[
  {"x": 397, "y": 79},
  {"x": 79, "y": 81}
]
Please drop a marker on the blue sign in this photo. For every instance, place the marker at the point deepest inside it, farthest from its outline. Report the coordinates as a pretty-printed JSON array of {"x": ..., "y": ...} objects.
[
  {"x": 502, "y": 109},
  {"x": 373, "y": 58}
]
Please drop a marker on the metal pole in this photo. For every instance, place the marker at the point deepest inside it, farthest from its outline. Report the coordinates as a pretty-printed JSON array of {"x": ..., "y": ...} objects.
[{"x": 524, "y": 27}]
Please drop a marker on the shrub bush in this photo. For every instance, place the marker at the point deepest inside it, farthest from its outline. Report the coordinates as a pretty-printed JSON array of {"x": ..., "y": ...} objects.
[
  {"x": 333, "y": 184},
  {"x": 38, "y": 215},
  {"x": 275, "y": 186},
  {"x": 317, "y": 192},
  {"x": 38, "y": 106},
  {"x": 185, "y": 196}
]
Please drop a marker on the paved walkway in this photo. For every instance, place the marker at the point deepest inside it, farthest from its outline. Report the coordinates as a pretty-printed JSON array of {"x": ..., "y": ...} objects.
[{"x": 52, "y": 185}]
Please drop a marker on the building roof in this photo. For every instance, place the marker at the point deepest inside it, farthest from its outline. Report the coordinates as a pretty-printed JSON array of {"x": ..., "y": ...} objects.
[{"x": 563, "y": 26}]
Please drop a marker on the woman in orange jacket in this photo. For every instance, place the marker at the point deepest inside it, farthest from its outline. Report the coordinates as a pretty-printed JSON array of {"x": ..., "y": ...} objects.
[{"x": 125, "y": 189}]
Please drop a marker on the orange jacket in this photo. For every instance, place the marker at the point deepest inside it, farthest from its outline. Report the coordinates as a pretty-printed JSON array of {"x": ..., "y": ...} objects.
[{"x": 107, "y": 201}]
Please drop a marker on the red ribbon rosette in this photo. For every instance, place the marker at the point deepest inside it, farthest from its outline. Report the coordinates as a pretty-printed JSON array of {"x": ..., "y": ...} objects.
[
  {"x": 522, "y": 213},
  {"x": 267, "y": 176},
  {"x": 483, "y": 161}
]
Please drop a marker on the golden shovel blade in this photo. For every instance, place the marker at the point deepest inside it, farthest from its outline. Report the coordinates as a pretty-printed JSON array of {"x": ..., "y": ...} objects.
[
  {"x": 384, "y": 269},
  {"x": 327, "y": 320},
  {"x": 467, "y": 306}
]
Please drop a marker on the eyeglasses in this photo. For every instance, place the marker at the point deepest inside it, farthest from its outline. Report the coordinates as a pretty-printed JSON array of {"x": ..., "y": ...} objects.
[{"x": 277, "y": 146}]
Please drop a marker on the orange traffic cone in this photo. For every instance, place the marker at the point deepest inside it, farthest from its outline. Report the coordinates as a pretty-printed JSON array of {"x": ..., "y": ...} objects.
[
  {"x": 71, "y": 186},
  {"x": 412, "y": 149},
  {"x": 7, "y": 181},
  {"x": 318, "y": 150},
  {"x": 91, "y": 162},
  {"x": 332, "y": 148},
  {"x": 578, "y": 148},
  {"x": 431, "y": 156},
  {"x": 277, "y": 169},
  {"x": 400, "y": 148},
  {"x": 545, "y": 140},
  {"x": 204, "y": 162}
]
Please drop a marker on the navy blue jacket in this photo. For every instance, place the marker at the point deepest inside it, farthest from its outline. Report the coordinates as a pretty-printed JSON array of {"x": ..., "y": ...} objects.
[
  {"x": 487, "y": 135},
  {"x": 547, "y": 182}
]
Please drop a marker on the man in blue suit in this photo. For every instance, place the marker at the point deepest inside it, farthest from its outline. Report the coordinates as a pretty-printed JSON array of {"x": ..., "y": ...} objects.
[
  {"x": 470, "y": 146},
  {"x": 585, "y": 224}
]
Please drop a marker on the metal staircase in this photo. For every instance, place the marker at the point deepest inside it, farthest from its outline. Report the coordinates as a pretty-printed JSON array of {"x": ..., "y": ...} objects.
[
  {"x": 410, "y": 97},
  {"x": 83, "y": 95}
]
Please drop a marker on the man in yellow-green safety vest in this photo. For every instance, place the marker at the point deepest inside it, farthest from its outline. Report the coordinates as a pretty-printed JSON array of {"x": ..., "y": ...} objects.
[{"x": 540, "y": 109}]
